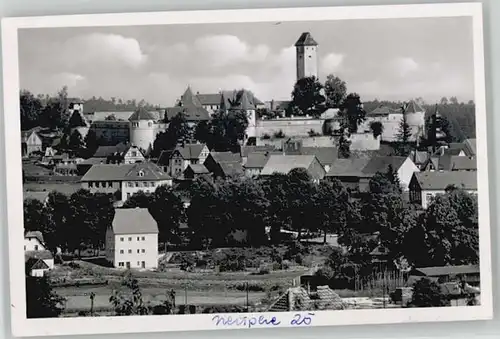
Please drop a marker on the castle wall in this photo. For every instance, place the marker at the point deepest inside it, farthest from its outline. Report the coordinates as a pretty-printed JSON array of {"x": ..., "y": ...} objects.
[
  {"x": 391, "y": 123},
  {"x": 299, "y": 126}
]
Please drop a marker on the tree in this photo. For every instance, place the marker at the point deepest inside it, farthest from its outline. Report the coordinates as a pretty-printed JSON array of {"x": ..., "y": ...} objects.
[
  {"x": 453, "y": 100},
  {"x": 139, "y": 200},
  {"x": 331, "y": 205},
  {"x": 276, "y": 187},
  {"x": 377, "y": 128},
  {"x": 41, "y": 300},
  {"x": 344, "y": 145},
  {"x": 404, "y": 134},
  {"x": 59, "y": 230},
  {"x": 307, "y": 97},
  {"x": 111, "y": 117},
  {"x": 35, "y": 217},
  {"x": 76, "y": 120},
  {"x": 75, "y": 141},
  {"x": 335, "y": 91},
  {"x": 31, "y": 108},
  {"x": 178, "y": 131},
  {"x": 300, "y": 203},
  {"x": 129, "y": 303},
  {"x": 91, "y": 143},
  {"x": 167, "y": 209},
  {"x": 444, "y": 101},
  {"x": 224, "y": 131},
  {"x": 352, "y": 112},
  {"x": 427, "y": 293}
]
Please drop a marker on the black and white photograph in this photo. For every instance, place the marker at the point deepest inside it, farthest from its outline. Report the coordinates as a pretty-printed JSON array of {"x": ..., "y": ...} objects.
[{"x": 249, "y": 168}]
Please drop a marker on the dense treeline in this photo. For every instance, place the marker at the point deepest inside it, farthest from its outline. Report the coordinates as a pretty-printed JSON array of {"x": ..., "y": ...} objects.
[
  {"x": 445, "y": 233},
  {"x": 52, "y": 111}
]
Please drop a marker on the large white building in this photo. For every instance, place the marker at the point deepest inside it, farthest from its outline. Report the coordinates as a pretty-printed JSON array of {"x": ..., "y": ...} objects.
[{"x": 132, "y": 239}]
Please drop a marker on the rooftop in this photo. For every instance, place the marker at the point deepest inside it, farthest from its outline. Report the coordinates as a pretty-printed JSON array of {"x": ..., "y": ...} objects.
[
  {"x": 110, "y": 172},
  {"x": 285, "y": 163},
  {"x": 134, "y": 221},
  {"x": 447, "y": 270},
  {"x": 382, "y": 163},
  {"x": 440, "y": 180},
  {"x": 352, "y": 167},
  {"x": 256, "y": 160},
  {"x": 141, "y": 114},
  {"x": 306, "y": 39},
  {"x": 190, "y": 151}
]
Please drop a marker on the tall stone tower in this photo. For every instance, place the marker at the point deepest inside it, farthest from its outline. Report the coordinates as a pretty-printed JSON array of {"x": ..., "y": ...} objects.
[
  {"x": 307, "y": 56},
  {"x": 142, "y": 129}
]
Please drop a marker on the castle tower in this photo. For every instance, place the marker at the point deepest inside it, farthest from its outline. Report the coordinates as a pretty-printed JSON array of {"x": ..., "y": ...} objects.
[
  {"x": 307, "y": 56},
  {"x": 142, "y": 129},
  {"x": 415, "y": 118}
]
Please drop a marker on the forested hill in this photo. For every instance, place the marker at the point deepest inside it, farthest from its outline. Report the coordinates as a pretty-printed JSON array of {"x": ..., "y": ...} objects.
[{"x": 461, "y": 116}]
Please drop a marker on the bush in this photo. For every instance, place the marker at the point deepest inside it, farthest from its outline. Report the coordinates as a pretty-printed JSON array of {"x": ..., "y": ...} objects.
[
  {"x": 279, "y": 135},
  {"x": 313, "y": 133},
  {"x": 224, "y": 309},
  {"x": 266, "y": 136}
]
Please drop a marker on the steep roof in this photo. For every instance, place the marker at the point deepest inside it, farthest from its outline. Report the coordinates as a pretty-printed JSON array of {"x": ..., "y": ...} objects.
[
  {"x": 134, "y": 221},
  {"x": 145, "y": 171},
  {"x": 190, "y": 151},
  {"x": 210, "y": 99},
  {"x": 325, "y": 155},
  {"x": 34, "y": 234},
  {"x": 352, "y": 167},
  {"x": 383, "y": 110},
  {"x": 441, "y": 180},
  {"x": 164, "y": 157},
  {"x": 192, "y": 113},
  {"x": 35, "y": 264},
  {"x": 107, "y": 172},
  {"x": 231, "y": 168},
  {"x": 381, "y": 164},
  {"x": 414, "y": 107},
  {"x": 239, "y": 99},
  {"x": 221, "y": 157},
  {"x": 197, "y": 169},
  {"x": 44, "y": 255},
  {"x": 285, "y": 163},
  {"x": 470, "y": 145},
  {"x": 306, "y": 39},
  {"x": 105, "y": 151},
  {"x": 188, "y": 99},
  {"x": 141, "y": 114},
  {"x": 463, "y": 163},
  {"x": 256, "y": 160}
]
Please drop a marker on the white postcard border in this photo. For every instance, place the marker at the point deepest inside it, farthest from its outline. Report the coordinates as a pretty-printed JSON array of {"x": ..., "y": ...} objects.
[{"x": 21, "y": 326}]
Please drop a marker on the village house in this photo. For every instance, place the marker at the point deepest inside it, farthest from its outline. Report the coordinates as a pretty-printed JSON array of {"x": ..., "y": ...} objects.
[
  {"x": 424, "y": 186},
  {"x": 285, "y": 163},
  {"x": 224, "y": 164},
  {"x": 33, "y": 241},
  {"x": 443, "y": 274},
  {"x": 184, "y": 155},
  {"x": 403, "y": 166},
  {"x": 350, "y": 173},
  {"x": 125, "y": 180},
  {"x": 194, "y": 171},
  {"x": 325, "y": 155},
  {"x": 42, "y": 196},
  {"x": 122, "y": 153},
  {"x": 470, "y": 147},
  {"x": 255, "y": 163},
  {"x": 132, "y": 239},
  {"x": 246, "y": 150},
  {"x": 31, "y": 142}
]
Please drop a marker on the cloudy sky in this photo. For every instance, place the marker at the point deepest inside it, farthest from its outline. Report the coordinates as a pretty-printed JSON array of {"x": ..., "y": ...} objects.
[{"x": 394, "y": 59}]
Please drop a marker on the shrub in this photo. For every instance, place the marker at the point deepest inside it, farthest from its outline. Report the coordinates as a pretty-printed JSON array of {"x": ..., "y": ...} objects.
[
  {"x": 313, "y": 133},
  {"x": 266, "y": 136},
  {"x": 279, "y": 135},
  {"x": 224, "y": 309}
]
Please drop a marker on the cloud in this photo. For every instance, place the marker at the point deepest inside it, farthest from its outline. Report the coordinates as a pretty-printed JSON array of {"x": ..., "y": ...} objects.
[
  {"x": 404, "y": 66},
  {"x": 223, "y": 50},
  {"x": 331, "y": 62},
  {"x": 105, "y": 50}
]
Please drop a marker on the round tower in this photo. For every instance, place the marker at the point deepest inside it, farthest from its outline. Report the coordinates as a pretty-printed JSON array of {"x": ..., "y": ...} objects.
[
  {"x": 415, "y": 118},
  {"x": 307, "y": 56},
  {"x": 142, "y": 129}
]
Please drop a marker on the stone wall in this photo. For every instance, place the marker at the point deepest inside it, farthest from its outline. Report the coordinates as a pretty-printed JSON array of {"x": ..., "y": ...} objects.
[{"x": 291, "y": 126}]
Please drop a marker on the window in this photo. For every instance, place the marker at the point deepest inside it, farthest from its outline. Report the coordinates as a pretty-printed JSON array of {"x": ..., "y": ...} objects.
[
  {"x": 152, "y": 184},
  {"x": 128, "y": 264},
  {"x": 138, "y": 238},
  {"x": 138, "y": 263},
  {"x": 121, "y": 251},
  {"x": 91, "y": 184},
  {"x": 120, "y": 264},
  {"x": 137, "y": 184},
  {"x": 129, "y": 251},
  {"x": 143, "y": 250},
  {"x": 143, "y": 238},
  {"x": 36, "y": 247},
  {"x": 144, "y": 184},
  {"x": 121, "y": 239},
  {"x": 128, "y": 195},
  {"x": 134, "y": 153},
  {"x": 129, "y": 238},
  {"x": 110, "y": 184},
  {"x": 138, "y": 251},
  {"x": 143, "y": 264},
  {"x": 141, "y": 173},
  {"x": 130, "y": 184}
]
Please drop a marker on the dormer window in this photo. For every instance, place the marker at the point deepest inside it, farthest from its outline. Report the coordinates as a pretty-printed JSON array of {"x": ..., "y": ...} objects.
[{"x": 141, "y": 173}]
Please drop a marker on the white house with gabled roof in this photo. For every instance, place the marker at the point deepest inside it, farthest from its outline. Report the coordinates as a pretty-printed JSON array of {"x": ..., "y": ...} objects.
[{"x": 132, "y": 239}]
